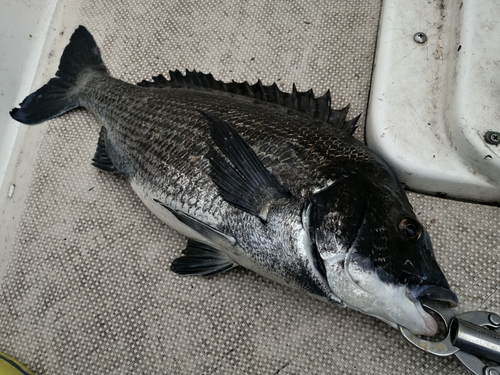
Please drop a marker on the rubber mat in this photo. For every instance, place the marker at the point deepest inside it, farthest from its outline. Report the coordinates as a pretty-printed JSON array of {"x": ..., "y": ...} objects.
[{"x": 88, "y": 290}]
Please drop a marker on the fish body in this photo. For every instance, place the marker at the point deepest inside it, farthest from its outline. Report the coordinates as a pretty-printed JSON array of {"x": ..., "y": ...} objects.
[{"x": 252, "y": 180}]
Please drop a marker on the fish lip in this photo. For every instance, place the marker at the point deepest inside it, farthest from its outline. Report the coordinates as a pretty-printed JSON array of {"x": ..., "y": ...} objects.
[
  {"x": 437, "y": 293},
  {"x": 424, "y": 292},
  {"x": 431, "y": 325}
]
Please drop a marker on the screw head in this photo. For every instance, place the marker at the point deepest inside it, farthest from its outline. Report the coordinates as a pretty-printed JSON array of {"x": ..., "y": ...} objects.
[
  {"x": 494, "y": 319},
  {"x": 493, "y": 138},
  {"x": 420, "y": 37},
  {"x": 492, "y": 371}
]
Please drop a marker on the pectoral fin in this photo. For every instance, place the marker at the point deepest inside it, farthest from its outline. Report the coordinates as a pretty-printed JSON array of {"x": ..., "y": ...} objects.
[
  {"x": 240, "y": 176},
  {"x": 200, "y": 259}
]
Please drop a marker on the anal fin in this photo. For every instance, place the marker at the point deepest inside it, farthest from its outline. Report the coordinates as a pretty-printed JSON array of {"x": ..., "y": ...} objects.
[
  {"x": 200, "y": 259},
  {"x": 101, "y": 157}
]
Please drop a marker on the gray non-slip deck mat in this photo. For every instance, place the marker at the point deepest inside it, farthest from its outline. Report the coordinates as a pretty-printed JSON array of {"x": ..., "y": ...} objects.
[{"x": 88, "y": 289}]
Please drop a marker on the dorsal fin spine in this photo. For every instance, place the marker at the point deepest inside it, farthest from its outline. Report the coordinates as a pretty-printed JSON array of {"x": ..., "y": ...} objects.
[{"x": 301, "y": 101}]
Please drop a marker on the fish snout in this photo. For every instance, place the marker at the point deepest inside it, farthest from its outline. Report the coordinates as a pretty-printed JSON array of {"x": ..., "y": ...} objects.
[{"x": 437, "y": 293}]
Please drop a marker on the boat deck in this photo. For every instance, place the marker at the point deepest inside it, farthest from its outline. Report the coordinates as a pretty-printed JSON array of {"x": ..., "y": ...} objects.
[{"x": 85, "y": 286}]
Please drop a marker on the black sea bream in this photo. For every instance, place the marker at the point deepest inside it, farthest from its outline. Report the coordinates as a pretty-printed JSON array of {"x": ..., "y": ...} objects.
[{"x": 255, "y": 177}]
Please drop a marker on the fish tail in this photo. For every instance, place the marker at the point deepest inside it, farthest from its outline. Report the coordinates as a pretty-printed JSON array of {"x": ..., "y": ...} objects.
[{"x": 61, "y": 94}]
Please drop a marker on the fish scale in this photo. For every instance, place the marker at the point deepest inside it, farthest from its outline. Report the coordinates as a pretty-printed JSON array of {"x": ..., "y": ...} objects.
[
  {"x": 256, "y": 177},
  {"x": 173, "y": 118}
]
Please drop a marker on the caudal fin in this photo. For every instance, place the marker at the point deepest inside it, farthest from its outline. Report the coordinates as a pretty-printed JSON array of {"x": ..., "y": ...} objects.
[{"x": 61, "y": 93}]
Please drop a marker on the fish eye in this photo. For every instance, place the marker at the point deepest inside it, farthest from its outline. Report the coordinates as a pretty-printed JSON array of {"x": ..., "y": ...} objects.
[{"x": 411, "y": 229}]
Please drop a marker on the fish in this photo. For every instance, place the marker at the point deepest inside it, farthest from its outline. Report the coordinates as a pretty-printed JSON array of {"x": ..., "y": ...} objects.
[{"x": 256, "y": 177}]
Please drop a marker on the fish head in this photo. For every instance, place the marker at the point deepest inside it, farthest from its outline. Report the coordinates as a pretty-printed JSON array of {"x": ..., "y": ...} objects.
[{"x": 374, "y": 253}]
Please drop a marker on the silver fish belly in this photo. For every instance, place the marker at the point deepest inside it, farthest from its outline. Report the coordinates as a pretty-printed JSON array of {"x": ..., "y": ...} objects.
[{"x": 255, "y": 177}]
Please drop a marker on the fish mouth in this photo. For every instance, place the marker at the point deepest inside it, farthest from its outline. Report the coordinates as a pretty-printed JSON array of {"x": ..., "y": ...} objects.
[{"x": 436, "y": 293}]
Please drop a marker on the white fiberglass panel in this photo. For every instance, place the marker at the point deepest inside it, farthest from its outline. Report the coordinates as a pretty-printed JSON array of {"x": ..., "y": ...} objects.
[{"x": 433, "y": 104}]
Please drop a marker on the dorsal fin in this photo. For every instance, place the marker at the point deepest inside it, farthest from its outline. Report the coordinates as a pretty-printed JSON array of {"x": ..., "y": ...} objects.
[{"x": 301, "y": 101}]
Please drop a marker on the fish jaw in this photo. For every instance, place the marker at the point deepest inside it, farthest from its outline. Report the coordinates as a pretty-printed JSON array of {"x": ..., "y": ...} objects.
[{"x": 362, "y": 289}]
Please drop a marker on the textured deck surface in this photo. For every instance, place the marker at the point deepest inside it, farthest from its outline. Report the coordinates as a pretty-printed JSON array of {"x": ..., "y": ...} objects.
[{"x": 88, "y": 290}]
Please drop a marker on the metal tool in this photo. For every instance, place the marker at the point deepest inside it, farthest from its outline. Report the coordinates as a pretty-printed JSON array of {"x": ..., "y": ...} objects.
[{"x": 473, "y": 337}]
